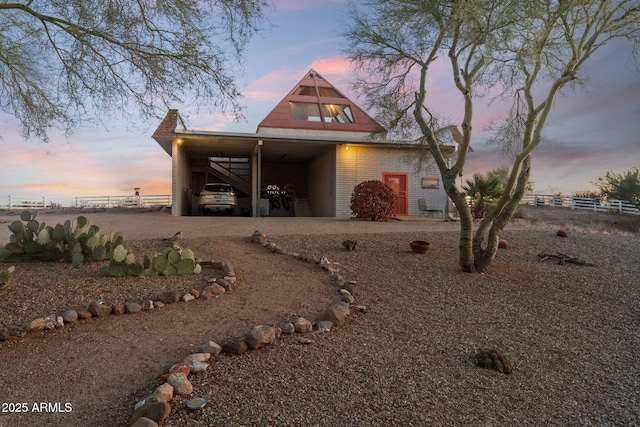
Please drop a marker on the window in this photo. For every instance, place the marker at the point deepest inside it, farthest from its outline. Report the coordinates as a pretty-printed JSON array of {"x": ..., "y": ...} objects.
[
  {"x": 305, "y": 91},
  {"x": 337, "y": 113},
  {"x": 304, "y": 111},
  {"x": 430, "y": 182},
  {"x": 326, "y": 92}
]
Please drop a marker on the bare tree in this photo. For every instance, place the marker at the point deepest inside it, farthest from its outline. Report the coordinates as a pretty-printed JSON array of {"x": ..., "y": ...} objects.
[
  {"x": 530, "y": 50},
  {"x": 66, "y": 61}
]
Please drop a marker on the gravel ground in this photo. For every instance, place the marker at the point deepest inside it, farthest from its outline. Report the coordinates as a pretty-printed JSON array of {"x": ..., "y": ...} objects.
[{"x": 571, "y": 333}]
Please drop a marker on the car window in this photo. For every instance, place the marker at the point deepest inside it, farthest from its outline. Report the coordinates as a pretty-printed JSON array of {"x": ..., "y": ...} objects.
[{"x": 220, "y": 188}]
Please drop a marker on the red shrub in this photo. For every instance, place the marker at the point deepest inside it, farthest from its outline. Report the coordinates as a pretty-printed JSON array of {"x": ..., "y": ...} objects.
[{"x": 373, "y": 201}]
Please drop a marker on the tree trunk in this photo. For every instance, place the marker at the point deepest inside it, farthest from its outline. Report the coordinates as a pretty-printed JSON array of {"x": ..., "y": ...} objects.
[
  {"x": 466, "y": 223},
  {"x": 497, "y": 220}
]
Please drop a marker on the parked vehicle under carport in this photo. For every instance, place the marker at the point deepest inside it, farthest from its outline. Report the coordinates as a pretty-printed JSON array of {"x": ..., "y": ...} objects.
[{"x": 217, "y": 198}]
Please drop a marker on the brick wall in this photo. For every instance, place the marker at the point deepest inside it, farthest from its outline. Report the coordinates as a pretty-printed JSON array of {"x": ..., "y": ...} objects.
[
  {"x": 357, "y": 164},
  {"x": 167, "y": 127}
]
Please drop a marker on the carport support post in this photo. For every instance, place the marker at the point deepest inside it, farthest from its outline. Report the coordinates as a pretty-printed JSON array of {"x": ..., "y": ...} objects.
[
  {"x": 256, "y": 181},
  {"x": 177, "y": 182}
]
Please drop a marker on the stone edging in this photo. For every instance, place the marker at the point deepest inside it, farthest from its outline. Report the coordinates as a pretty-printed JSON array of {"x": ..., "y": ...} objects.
[
  {"x": 156, "y": 407},
  {"x": 218, "y": 286}
]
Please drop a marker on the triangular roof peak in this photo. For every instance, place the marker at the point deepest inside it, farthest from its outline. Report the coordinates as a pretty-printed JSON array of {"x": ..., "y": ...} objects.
[{"x": 314, "y": 104}]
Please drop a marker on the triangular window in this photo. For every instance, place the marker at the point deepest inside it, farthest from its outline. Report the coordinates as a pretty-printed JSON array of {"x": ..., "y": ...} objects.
[{"x": 337, "y": 113}]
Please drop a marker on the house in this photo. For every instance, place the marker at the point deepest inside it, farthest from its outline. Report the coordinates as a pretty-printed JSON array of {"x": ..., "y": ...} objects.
[{"x": 315, "y": 146}]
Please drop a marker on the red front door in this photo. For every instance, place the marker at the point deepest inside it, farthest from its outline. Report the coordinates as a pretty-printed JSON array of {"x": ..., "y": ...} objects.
[{"x": 398, "y": 181}]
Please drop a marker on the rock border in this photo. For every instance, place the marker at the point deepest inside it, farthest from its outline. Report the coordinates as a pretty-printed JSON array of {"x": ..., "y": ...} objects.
[
  {"x": 156, "y": 407},
  {"x": 98, "y": 308}
]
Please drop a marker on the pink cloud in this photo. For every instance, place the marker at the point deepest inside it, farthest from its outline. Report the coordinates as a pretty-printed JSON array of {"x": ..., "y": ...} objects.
[{"x": 335, "y": 66}]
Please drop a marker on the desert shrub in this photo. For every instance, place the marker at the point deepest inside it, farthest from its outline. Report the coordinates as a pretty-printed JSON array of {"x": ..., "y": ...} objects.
[
  {"x": 628, "y": 223},
  {"x": 373, "y": 201},
  {"x": 482, "y": 191}
]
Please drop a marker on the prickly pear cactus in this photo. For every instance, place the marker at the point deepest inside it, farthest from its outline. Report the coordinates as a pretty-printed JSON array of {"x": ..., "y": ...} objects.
[
  {"x": 73, "y": 241},
  {"x": 5, "y": 276}
]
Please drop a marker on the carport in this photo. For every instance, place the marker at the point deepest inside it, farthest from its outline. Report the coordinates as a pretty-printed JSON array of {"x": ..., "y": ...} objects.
[{"x": 251, "y": 163}]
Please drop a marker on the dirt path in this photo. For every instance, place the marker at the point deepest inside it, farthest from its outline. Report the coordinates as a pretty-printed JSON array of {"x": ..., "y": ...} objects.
[{"x": 101, "y": 367}]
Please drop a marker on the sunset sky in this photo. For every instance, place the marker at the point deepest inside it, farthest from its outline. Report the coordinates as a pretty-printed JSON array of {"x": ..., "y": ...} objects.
[{"x": 594, "y": 128}]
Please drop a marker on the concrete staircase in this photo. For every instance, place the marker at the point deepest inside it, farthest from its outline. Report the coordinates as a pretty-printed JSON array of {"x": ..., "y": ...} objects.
[{"x": 235, "y": 171}]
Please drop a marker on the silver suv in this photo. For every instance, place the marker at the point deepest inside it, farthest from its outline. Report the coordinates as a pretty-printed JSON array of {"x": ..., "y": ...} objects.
[{"x": 217, "y": 197}]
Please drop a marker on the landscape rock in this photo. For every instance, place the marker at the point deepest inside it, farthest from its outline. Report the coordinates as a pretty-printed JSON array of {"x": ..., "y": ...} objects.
[
  {"x": 180, "y": 383},
  {"x": 215, "y": 289},
  {"x": 132, "y": 307},
  {"x": 158, "y": 304},
  {"x": 99, "y": 309},
  {"x": 70, "y": 316},
  {"x": 258, "y": 237},
  {"x": 147, "y": 305},
  {"x": 302, "y": 325},
  {"x": 361, "y": 308},
  {"x": 349, "y": 287},
  {"x": 144, "y": 422},
  {"x": 170, "y": 297},
  {"x": 217, "y": 265},
  {"x": 50, "y": 322},
  {"x": 287, "y": 328},
  {"x": 324, "y": 325},
  {"x": 237, "y": 348},
  {"x": 59, "y": 322},
  {"x": 228, "y": 270},
  {"x": 198, "y": 357},
  {"x": 163, "y": 393},
  {"x": 187, "y": 297},
  {"x": 349, "y": 299},
  {"x": 152, "y": 410},
  {"x": 260, "y": 336},
  {"x": 336, "y": 313},
  {"x": 37, "y": 324},
  {"x": 225, "y": 284},
  {"x": 118, "y": 308},
  {"x": 336, "y": 277},
  {"x": 84, "y": 314},
  {"x": 12, "y": 333},
  {"x": 175, "y": 369},
  {"x": 198, "y": 367},
  {"x": 195, "y": 293},
  {"x": 212, "y": 348}
]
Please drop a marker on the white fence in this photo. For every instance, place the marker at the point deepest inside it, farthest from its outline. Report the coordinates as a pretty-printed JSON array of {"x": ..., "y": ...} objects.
[
  {"x": 618, "y": 206},
  {"x": 11, "y": 202}
]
